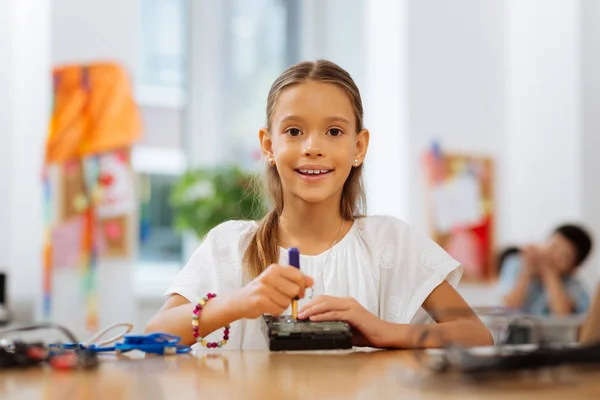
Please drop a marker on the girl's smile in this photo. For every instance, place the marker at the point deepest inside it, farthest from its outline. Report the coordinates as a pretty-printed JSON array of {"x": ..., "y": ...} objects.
[{"x": 314, "y": 173}]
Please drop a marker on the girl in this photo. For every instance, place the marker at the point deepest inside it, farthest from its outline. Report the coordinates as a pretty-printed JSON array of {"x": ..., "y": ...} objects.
[{"x": 376, "y": 273}]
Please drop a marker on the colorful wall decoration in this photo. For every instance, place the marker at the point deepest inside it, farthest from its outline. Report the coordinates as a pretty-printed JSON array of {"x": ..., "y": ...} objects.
[
  {"x": 88, "y": 179},
  {"x": 460, "y": 197}
]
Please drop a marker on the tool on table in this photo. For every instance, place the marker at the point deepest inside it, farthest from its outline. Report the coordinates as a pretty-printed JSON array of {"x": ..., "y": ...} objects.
[{"x": 294, "y": 260}]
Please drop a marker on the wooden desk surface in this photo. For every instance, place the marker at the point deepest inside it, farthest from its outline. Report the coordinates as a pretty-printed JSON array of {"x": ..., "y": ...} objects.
[{"x": 264, "y": 375}]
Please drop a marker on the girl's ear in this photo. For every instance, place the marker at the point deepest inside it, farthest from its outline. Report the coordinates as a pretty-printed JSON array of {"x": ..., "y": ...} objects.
[
  {"x": 362, "y": 144},
  {"x": 266, "y": 145}
]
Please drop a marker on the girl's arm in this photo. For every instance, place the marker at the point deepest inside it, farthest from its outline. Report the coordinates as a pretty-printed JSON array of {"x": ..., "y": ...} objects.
[
  {"x": 175, "y": 317},
  {"x": 269, "y": 293},
  {"x": 456, "y": 322}
]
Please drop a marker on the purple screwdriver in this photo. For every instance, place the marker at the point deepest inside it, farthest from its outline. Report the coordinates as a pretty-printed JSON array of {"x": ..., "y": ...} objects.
[{"x": 294, "y": 258}]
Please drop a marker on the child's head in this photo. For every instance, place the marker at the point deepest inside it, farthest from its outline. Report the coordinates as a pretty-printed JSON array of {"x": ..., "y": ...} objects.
[
  {"x": 568, "y": 247},
  {"x": 505, "y": 254},
  {"x": 315, "y": 144},
  {"x": 314, "y": 141}
]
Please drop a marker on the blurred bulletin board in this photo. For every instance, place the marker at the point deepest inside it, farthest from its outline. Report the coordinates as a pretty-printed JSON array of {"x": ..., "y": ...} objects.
[{"x": 460, "y": 209}]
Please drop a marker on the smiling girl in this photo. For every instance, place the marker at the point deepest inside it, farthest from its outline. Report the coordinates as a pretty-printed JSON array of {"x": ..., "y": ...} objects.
[{"x": 375, "y": 272}]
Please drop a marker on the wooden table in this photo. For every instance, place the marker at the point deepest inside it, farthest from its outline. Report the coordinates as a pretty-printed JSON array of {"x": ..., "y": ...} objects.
[{"x": 264, "y": 375}]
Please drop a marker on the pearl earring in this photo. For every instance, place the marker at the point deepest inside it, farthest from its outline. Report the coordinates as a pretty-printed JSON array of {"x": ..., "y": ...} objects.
[
  {"x": 355, "y": 162},
  {"x": 271, "y": 161}
]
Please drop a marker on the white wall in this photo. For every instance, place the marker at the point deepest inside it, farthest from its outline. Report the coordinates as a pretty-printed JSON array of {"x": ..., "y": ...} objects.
[
  {"x": 347, "y": 49},
  {"x": 544, "y": 116},
  {"x": 386, "y": 103},
  {"x": 590, "y": 67},
  {"x": 24, "y": 107},
  {"x": 95, "y": 30},
  {"x": 456, "y": 84},
  {"x": 334, "y": 29},
  {"x": 6, "y": 49}
]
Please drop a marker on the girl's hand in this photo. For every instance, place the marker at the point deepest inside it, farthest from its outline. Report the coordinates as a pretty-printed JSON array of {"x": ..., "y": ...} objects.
[
  {"x": 271, "y": 292},
  {"x": 369, "y": 330}
]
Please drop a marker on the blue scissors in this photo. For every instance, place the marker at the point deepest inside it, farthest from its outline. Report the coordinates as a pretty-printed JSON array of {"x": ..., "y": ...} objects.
[{"x": 154, "y": 343}]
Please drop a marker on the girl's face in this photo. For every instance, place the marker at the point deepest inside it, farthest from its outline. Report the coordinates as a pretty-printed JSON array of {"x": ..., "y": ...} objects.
[{"x": 314, "y": 141}]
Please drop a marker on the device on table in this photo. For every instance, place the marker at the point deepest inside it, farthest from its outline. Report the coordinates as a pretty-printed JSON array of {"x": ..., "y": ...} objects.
[
  {"x": 289, "y": 333},
  {"x": 4, "y": 314},
  {"x": 285, "y": 333},
  {"x": 586, "y": 351}
]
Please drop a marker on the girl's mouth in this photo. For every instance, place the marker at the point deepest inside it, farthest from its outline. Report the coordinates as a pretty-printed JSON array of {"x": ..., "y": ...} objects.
[{"x": 313, "y": 172}]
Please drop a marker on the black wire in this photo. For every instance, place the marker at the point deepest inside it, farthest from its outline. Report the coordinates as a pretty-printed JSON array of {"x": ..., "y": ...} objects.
[{"x": 44, "y": 325}]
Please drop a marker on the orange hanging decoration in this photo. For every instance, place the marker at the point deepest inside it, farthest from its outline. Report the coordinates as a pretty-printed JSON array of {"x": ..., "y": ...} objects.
[{"x": 94, "y": 112}]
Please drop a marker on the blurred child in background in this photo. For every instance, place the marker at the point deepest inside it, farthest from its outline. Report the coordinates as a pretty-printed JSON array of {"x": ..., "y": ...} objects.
[{"x": 540, "y": 279}]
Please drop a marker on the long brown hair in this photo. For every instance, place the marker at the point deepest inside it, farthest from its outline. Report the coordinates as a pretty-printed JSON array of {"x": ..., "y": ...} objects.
[{"x": 263, "y": 248}]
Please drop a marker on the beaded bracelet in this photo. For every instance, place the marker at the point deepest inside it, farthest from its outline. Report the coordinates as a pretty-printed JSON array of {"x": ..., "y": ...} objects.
[{"x": 195, "y": 323}]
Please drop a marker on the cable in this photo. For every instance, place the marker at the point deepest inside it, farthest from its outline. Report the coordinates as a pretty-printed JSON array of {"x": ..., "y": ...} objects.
[
  {"x": 74, "y": 342},
  {"x": 82, "y": 354},
  {"x": 44, "y": 325},
  {"x": 94, "y": 339},
  {"x": 154, "y": 343}
]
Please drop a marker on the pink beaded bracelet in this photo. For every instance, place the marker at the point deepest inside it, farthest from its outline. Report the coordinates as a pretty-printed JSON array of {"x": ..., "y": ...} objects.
[{"x": 195, "y": 323}]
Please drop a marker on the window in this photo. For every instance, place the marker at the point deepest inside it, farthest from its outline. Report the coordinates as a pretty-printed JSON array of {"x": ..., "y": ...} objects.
[
  {"x": 159, "y": 159},
  {"x": 263, "y": 41},
  {"x": 158, "y": 241},
  {"x": 163, "y": 43},
  {"x": 251, "y": 44}
]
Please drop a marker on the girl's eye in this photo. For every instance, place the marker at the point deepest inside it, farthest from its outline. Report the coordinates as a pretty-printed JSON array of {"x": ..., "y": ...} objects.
[
  {"x": 293, "y": 131},
  {"x": 335, "y": 132}
]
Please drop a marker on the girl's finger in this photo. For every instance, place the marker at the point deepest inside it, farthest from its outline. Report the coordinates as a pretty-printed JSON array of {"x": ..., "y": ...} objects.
[
  {"x": 285, "y": 286},
  {"x": 323, "y": 307},
  {"x": 318, "y": 308},
  {"x": 278, "y": 298},
  {"x": 317, "y": 300},
  {"x": 308, "y": 281},
  {"x": 330, "y": 316},
  {"x": 295, "y": 276}
]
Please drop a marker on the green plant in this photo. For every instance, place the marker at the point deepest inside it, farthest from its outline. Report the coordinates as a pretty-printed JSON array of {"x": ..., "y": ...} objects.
[{"x": 205, "y": 197}]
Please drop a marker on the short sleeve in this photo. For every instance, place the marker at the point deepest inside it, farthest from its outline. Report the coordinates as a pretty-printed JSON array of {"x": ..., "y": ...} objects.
[
  {"x": 578, "y": 295},
  {"x": 215, "y": 266},
  {"x": 509, "y": 274},
  {"x": 411, "y": 266}
]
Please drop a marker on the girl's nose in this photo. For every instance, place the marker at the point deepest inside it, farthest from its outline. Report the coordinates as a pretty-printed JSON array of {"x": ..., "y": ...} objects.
[{"x": 313, "y": 147}]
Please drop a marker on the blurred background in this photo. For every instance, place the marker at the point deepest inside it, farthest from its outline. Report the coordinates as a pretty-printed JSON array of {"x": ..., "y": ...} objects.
[{"x": 508, "y": 86}]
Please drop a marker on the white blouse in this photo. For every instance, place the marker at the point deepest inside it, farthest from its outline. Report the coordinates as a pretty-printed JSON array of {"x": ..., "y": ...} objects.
[{"x": 383, "y": 263}]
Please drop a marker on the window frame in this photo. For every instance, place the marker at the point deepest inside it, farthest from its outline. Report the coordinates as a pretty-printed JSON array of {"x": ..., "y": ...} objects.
[{"x": 206, "y": 36}]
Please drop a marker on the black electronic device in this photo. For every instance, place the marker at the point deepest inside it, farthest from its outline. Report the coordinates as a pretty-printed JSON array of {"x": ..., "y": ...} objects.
[
  {"x": 4, "y": 314},
  {"x": 285, "y": 334}
]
